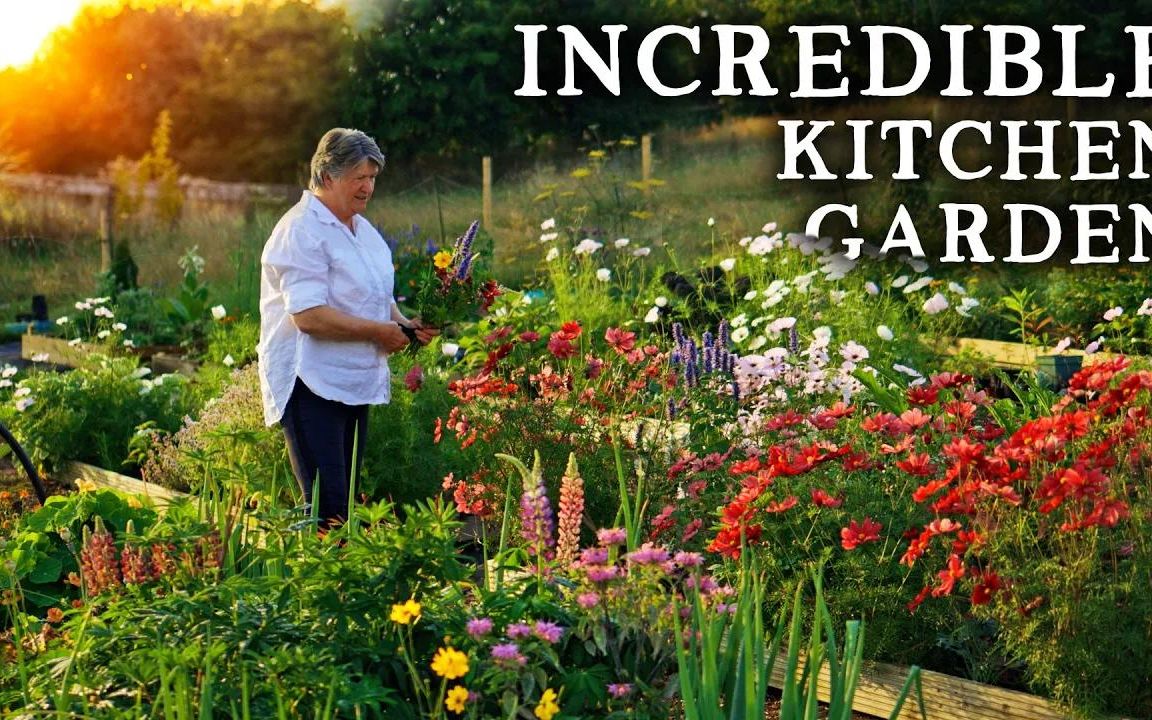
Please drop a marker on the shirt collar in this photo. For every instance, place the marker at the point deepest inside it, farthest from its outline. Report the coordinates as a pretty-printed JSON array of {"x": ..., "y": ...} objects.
[{"x": 322, "y": 213}]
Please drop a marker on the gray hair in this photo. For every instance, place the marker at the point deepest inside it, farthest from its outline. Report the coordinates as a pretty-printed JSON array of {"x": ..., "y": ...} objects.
[{"x": 339, "y": 151}]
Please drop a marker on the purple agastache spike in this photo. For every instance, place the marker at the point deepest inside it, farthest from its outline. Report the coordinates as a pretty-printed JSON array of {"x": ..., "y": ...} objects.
[
  {"x": 736, "y": 390},
  {"x": 724, "y": 334},
  {"x": 674, "y": 358},
  {"x": 678, "y": 334},
  {"x": 708, "y": 339},
  {"x": 709, "y": 359},
  {"x": 465, "y": 266},
  {"x": 671, "y": 409},
  {"x": 793, "y": 340}
]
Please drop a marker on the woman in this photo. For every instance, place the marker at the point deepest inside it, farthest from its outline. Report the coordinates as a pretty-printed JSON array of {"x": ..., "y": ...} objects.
[{"x": 328, "y": 321}]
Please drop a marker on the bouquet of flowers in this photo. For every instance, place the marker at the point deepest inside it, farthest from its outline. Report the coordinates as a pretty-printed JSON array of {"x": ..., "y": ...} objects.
[{"x": 450, "y": 290}]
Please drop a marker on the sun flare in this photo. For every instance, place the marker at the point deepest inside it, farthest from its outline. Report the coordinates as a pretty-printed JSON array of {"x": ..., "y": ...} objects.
[{"x": 25, "y": 25}]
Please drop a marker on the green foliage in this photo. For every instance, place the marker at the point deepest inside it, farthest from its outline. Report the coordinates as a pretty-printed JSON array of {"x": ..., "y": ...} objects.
[{"x": 91, "y": 413}]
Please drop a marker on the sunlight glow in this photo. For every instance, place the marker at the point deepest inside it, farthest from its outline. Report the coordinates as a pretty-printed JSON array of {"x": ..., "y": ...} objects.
[{"x": 25, "y": 25}]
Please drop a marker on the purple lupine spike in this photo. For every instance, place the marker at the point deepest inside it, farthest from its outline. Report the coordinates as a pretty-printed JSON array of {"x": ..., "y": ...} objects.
[
  {"x": 709, "y": 359},
  {"x": 678, "y": 334},
  {"x": 708, "y": 339},
  {"x": 724, "y": 335},
  {"x": 674, "y": 359},
  {"x": 469, "y": 236},
  {"x": 693, "y": 351},
  {"x": 537, "y": 524},
  {"x": 465, "y": 266},
  {"x": 793, "y": 340}
]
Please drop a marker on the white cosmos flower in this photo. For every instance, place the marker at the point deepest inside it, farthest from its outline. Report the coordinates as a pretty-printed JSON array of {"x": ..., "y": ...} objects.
[
  {"x": 141, "y": 372},
  {"x": 641, "y": 252},
  {"x": 8, "y": 371},
  {"x": 103, "y": 312},
  {"x": 129, "y": 344},
  {"x": 84, "y": 305},
  {"x": 740, "y": 334},
  {"x": 449, "y": 349},
  {"x": 228, "y": 360},
  {"x": 119, "y": 327},
  {"x": 739, "y": 321},
  {"x": 22, "y": 392},
  {"x": 1113, "y": 313},
  {"x": 917, "y": 264},
  {"x": 74, "y": 342},
  {"x": 957, "y": 288},
  {"x": 728, "y": 264},
  {"x": 548, "y": 237},
  {"x": 23, "y": 403},
  {"x": 62, "y": 320},
  {"x": 965, "y": 305},
  {"x": 653, "y": 315},
  {"x": 587, "y": 246},
  {"x": 910, "y": 372},
  {"x": 837, "y": 296},
  {"x": 603, "y": 274},
  {"x": 779, "y": 325},
  {"x": 935, "y": 304},
  {"x": 1146, "y": 307},
  {"x": 1094, "y": 346},
  {"x": 661, "y": 301},
  {"x": 39, "y": 357},
  {"x": 548, "y": 224},
  {"x": 900, "y": 281},
  {"x": 103, "y": 334},
  {"x": 885, "y": 332},
  {"x": 871, "y": 288},
  {"x": 218, "y": 312},
  {"x": 750, "y": 295},
  {"x": 5, "y": 383},
  {"x": 621, "y": 242},
  {"x": 769, "y": 228},
  {"x": 918, "y": 285},
  {"x": 711, "y": 222},
  {"x": 758, "y": 342},
  {"x": 553, "y": 253}
]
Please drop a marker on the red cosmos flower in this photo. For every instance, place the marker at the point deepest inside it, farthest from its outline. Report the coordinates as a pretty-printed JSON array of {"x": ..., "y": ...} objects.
[
  {"x": 963, "y": 451},
  {"x": 570, "y": 330},
  {"x": 786, "y": 419},
  {"x": 414, "y": 378},
  {"x": 918, "y": 464},
  {"x": 940, "y": 526},
  {"x": 489, "y": 291},
  {"x": 621, "y": 341},
  {"x": 823, "y": 499},
  {"x": 878, "y": 422},
  {"x": 946, "y": 380},
  {"x": 778, "y": 507},
  {"x": 905, "y": 443},
  {"x": 691, "y": 529},
  {"x": 988, "y": 585},
  {"x": 437, "y": 431},
  {"x": 561, "y": 346},
  {"x": 922, "y": 395},
  {"x": 1097, "y": 375},
  {"x": 497, "y": 335},
  {"x": 745, "y": 467},
  {"x": 529, "y": 336},
  {"x": 594, "y": 367},
  {"x": 914, "y": 418},
  {"x": 858, "y": 534},
  {"x": 949, "y": 575}
]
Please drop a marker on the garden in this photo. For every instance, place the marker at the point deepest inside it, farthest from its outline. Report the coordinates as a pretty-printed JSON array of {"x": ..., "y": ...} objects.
[{"x": 643, "y": 483}]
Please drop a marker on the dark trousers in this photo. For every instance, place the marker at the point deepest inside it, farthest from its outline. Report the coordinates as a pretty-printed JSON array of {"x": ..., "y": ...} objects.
[{"x": 321, "y": 435}]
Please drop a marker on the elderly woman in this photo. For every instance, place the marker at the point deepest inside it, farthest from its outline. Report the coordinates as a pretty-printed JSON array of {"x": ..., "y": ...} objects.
[{"x": 328, "y": 321}]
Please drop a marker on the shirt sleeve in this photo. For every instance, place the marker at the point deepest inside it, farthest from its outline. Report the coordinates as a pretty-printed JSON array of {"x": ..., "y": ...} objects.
[{"x": 297, "y": 264}]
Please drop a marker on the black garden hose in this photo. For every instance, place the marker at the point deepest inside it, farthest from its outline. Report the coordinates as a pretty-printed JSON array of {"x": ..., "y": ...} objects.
[{"x": 29, "y": 468}]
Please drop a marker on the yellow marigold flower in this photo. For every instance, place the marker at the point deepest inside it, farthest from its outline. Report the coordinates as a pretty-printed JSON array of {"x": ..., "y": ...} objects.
[
  {"x": 582, "y": 172},
  {"x": 442, "y": 259},
  {"x": 597, "y": 154},
  {"x": 547, "y": 706},
  {"x": 406, "y": 612},
  {"x": 450, "y": 663},
  {"x": 456, "y": 699}
]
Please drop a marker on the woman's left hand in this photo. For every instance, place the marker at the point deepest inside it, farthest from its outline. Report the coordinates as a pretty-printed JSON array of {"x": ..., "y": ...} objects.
[{"x": 423, "y": 334}]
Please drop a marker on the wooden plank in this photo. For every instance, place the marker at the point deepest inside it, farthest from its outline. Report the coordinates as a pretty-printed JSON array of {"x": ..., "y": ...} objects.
[
  {"x": 84, "y": 475},
  {"x": 58, "y": 351},
  {"x": 945, "y": 697},
  {"x": 1007, "y": 355},
  {"x": 163, "y": 363}
]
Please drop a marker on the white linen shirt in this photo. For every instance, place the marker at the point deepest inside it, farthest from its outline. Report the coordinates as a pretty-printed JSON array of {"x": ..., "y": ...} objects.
[{"x": 313, "y": 259}]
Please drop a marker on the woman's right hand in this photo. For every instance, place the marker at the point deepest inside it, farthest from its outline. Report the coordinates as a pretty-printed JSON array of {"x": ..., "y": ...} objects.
[{"x": 391, "y": 338}]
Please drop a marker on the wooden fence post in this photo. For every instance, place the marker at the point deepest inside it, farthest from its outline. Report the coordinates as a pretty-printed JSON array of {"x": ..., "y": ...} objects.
[
  {"x": 646, "y": 156},
  {"x": 107, "y": 226},
  {"x": 486, "y": 214}
]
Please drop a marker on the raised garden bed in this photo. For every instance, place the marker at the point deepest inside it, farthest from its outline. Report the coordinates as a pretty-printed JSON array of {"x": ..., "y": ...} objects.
[{"x": 60, "y": 352}]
